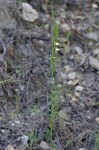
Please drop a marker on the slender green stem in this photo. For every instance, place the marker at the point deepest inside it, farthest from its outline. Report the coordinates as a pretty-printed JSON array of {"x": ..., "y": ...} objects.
[{"x": 52, "y": 64}]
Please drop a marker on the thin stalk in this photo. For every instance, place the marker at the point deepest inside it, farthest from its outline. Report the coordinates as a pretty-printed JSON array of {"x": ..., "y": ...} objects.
[{"x": 52, "y": 65}]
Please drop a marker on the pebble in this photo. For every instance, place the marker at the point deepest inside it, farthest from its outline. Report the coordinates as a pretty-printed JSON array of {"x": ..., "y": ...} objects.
[
  {"x": 94, "y": 63},
  {"x": 74, "y": 99},
  {"x": 24, "y": 139},
  {"x": 15, "y": 123},
  {"x": 92, "y": 36},
  {"x": 96, "y": 51},
  {"x": 57, "y": 21},
  {"x": 97, "y": 120},
  {"x": 41, "y": 43},
  {"x": 72, "y": 76},
  {"x": 65, "y": 27},
  {"x": 79, "y": 88},
  {"x": 89, "y": 117},
  {"x": 3, "y": 131},
  {"x": 72, "y": 57},
  {"x": 77, "y": 94},
  {"x": 82, "y": 149},
  {"x": 10, "y": 147},
  {"x": 28, "y": 13},
  {"x": 70, "y": 82},
  {"x": 77, "y": 58},
  {"x": 75, "y": 82},
  {"x": 44, "y": 145},
  {"x": 82, "y": 104},
  {"x": 21, "y": 87},
  {"x": 78, "y": 50},
  {"x": 94, "y": 5},
  {"x": 67, "y": 68}
]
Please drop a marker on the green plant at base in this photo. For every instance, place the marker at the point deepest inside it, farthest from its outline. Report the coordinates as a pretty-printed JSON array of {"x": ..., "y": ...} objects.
[
  {"x": 12, "y": 115},
  {"x": 32, "y": 139},
  {"x": 96, "y": 141},
  {"x": 69, "y": 143},
  {"x": 35, "y": 109}
]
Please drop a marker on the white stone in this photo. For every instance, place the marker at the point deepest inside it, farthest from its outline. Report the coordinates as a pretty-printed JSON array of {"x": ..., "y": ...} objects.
[
  {"x": 75, "y": 82},
  {"x": 97, "y": 120},
  {"x": 72, "y": 76},
  {"x": 70, "y": 82},
  {"x": 79, "y": 88},
  {"x": 74, "y": 99},
  {"x": 58, "y": 21},
  {"x": 41, "y": 43},
  {"x": 82, "y": 149},
  {"x": 72, "y": 57},
  {"x": 94, "y": 63},
  {"x": 94, "y": 5},
  {"x": 24, "y": 139},
  {"x": 17, "y": 122},
  {"x": 78, "y": 50},
  {"x": 65, "y": 27},
  {"x": 96, "y": 51},
  {"x": 67, "y": 68},
  {"x": 77, "y": 94},
  {"x": 28, "y": 13},
  {"x": 44, "y": 145},
  {"x": 21, "y": 87},
  {"x": 2, "y": 130},
  {"x": 89, "y": 117},
  {"x": 77, "y": 58},
  {"x": 9, "y": 147}
]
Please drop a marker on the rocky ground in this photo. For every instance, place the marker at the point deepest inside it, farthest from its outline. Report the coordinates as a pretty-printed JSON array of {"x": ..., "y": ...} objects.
[{"x": 25, "y": 75}]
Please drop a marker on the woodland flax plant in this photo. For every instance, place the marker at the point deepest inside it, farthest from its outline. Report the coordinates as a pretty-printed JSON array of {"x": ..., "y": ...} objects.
[{"x": 54, "y": 92}]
